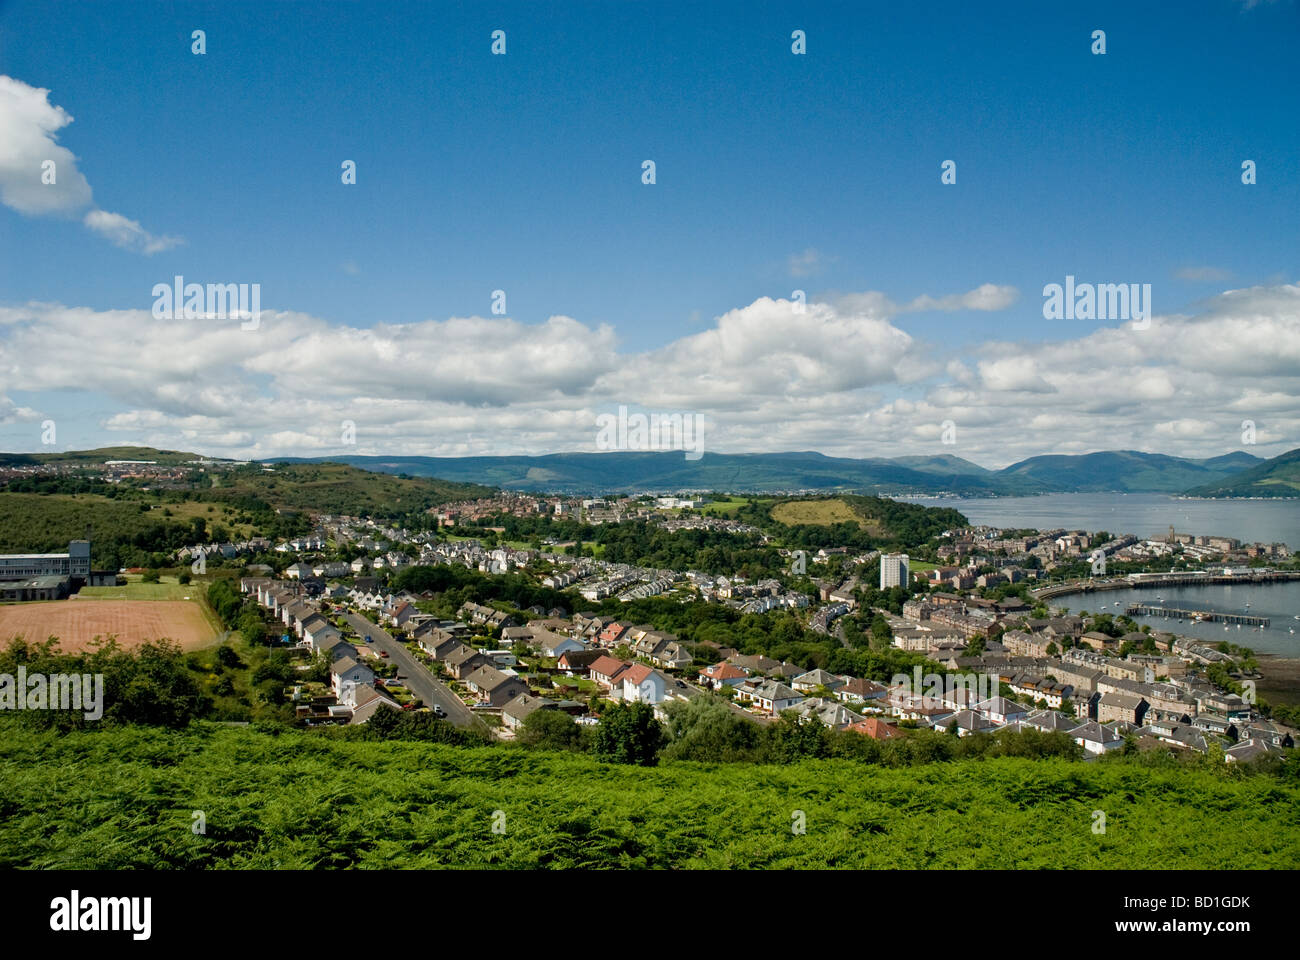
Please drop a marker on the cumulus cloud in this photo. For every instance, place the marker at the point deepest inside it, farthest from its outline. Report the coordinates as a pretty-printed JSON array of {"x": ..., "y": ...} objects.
[
  {"x": 39, "y": 176},
  {"x": 839, "y": 377}
]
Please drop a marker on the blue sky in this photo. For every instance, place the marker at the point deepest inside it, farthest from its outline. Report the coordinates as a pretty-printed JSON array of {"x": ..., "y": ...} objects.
[{"x": 774, "y": 172}]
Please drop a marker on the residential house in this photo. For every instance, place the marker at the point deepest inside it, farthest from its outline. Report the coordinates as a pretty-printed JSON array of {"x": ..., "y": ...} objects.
[
  {"x": 1120, "y": 706},
  {"x": 814, "y": 679},
  {"x": 831, "y": 713},
  {"x": 769, "y": 696},
  {"x": 464, "y": 661},
  {"x": 1096, "y": 739},
  {"x": 858, "y": 690},
  {"x": 606, "y": 671},
  {"x": 722, "y": 675},
  {"x": 1001, "y": 710},
  {"x": 346, "y": 670},
  {"x": 577, "y": 663},
  {"x": 514, "y": 713},
  {"x": 641, "y": 683},
  {"x": 491, "y": 686},
  {"x": 365, "y": 701}
]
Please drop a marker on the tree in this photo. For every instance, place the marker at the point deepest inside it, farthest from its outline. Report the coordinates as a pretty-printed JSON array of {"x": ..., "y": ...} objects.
[
  {"x": 708, "y": 730},
  {"x": 550, "y": 730},
  {"x": 628, "y": 733},
  {"x": 227, "y": 657}
]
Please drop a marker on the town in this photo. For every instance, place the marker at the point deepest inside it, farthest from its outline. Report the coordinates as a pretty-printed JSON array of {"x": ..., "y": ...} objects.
[{"x": 979, "y": 609}]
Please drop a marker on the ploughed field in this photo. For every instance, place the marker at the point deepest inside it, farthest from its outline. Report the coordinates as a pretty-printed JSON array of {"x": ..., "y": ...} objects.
[{"x": 78, "y": 621}]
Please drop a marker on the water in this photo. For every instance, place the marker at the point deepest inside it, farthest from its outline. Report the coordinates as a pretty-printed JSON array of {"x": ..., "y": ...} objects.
[
  {"x": 1278, "y": 601},
  {"x": 1147, "y": 515}
]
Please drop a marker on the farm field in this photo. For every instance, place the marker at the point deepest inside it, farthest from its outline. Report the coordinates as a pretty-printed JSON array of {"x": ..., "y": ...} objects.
[{"x": 78, "y": 621}]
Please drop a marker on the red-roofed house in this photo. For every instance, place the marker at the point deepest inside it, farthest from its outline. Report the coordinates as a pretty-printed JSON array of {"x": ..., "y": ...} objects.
[
  {"x": 607, "y": 670},
  {"x": 722, "y": 675},
  {"x": 643, "y": 684},
  {"x": 613, "y": 634},
  {"x": 875, "y": 728}
]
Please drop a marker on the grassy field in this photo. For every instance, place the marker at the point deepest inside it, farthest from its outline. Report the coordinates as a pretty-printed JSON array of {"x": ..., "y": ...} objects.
[
  {"x": 813, "y": 512},
  {"x": 726, "y": 508},
  {"x": 168, "y": 588},
  {"x": 117, "y": 798}
]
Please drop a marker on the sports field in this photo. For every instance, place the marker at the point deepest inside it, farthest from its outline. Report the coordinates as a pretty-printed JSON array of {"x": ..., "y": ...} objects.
[{"x": 80, "y": 620}]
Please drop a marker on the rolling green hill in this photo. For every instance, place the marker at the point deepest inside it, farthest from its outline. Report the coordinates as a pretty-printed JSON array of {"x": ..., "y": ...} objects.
[
  {"x": 1278, "y": 477},
  {"x": 130, "y": 522},
  {"x": 1127, "y": 471},
  {"x": 336, "y": 488},
  {"x": 121, "y": 798}
]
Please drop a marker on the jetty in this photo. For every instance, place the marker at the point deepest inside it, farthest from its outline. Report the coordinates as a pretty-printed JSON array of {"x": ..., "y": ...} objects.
[{"x": 1160, "y": 610}]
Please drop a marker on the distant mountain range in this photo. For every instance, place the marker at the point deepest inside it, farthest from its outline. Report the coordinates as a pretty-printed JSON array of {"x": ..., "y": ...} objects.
[
  {"x": 1236, "y": 474},
  {"x": 625, "y": 472}
]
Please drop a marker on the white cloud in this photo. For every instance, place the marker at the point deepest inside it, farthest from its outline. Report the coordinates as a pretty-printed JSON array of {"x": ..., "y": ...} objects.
[
  {"x": 837, "y": 377},
  {"x": 127, "y": 234},
  {"x": 39, "y": 177}
]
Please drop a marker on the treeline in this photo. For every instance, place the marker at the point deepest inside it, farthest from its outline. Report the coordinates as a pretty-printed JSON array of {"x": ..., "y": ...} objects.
[
  {"x": 238, "y": 612},
  {"x": 150, "y": 684}
]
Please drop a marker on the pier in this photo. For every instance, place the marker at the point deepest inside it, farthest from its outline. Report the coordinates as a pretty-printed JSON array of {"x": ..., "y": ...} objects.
[{"x": 1160, "y": 610}]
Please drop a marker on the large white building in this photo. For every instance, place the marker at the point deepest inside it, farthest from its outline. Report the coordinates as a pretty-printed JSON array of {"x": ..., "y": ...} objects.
[
  {"x": 22, "y": 566},
  {"x": 893, "y": 570}
]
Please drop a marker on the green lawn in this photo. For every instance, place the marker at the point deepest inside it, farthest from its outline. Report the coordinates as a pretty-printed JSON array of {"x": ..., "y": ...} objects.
[{"x": 167, "y": 589}]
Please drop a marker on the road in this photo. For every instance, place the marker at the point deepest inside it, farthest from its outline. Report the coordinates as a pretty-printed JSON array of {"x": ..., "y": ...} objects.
[{"x": 419, "y": 678}]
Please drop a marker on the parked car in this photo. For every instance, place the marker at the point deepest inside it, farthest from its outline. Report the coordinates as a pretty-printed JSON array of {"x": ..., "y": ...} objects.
[
  {"x": 438, "y": 711},
  {"x": 384, "y": 654}
]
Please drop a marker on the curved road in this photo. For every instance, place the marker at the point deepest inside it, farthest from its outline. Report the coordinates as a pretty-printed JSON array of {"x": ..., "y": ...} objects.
[{"x": 419, "y": 678}]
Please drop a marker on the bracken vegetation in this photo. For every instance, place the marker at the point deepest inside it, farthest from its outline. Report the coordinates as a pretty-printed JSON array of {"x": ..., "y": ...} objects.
[{"x": 124, "y": 797}]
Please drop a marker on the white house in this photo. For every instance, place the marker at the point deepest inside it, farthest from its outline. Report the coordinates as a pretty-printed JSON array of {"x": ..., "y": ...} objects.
[
  {"x": 643, "y": 684},
  {"x": 346, "y": 670},
  {"x": 1095, "y": 738}
]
